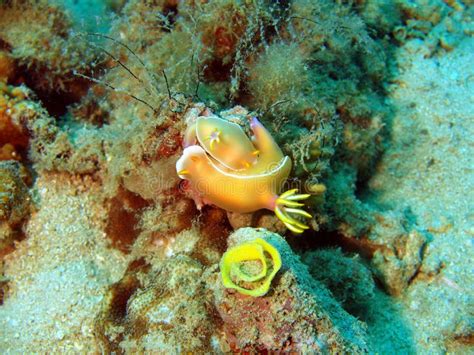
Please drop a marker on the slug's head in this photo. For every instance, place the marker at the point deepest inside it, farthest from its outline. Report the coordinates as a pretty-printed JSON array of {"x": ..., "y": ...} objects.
[
  {"x": 226, "y": 142},
  {"x": 193, "y": 158}
]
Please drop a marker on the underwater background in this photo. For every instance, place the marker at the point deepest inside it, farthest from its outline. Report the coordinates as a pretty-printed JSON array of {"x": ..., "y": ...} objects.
[{"x": 105, "y": 248}]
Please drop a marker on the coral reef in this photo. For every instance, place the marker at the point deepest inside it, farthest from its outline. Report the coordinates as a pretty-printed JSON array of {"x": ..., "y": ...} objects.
[
  {"x": 13, "y": 136},
  {"x": 180, "y": 304},
  {"x": 163, "y": 310},
  {"x": 348, "y": 279},
  {"x": 14, "y": 204},
  {"x": 299, "y": 314},
  {"x": 58, "y": 275},
  {"x": 7, "y": 66},
  {"x": 38, "y": 38},
  {"x": 433, "y": 188},
  {"x": 105, "y": 248}
]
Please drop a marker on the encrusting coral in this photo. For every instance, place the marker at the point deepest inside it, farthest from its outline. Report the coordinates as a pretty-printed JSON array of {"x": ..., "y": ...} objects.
[
  {"x": 13, "y": 137},
  {"x": 14, "y": 204},
  {"x": 250, "y": 267},
  {"x": 39, "y": 38},
  {"x": 224, "y": 167}
]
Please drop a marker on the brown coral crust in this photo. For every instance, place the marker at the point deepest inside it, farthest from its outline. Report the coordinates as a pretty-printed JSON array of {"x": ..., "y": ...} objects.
[{"x": 124, "y": 214}]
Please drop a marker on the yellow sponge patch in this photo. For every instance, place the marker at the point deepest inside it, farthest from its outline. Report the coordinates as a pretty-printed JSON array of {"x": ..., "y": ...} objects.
[{"x": 250, "y": 267}]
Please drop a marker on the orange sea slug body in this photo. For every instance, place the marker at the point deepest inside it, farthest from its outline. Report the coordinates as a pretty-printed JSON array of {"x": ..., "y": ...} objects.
[{"x": 225, "y": 168}]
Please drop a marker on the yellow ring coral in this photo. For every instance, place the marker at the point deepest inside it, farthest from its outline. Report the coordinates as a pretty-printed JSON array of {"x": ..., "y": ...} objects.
[{"x": 250, "y": 267}]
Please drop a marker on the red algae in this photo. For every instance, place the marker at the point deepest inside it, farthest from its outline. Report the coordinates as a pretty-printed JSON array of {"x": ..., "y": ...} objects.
[{"x": 122, "y": 223}]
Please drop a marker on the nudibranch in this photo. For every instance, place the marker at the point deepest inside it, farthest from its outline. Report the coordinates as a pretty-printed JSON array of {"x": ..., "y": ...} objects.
[{"x": 224, "y": 167}]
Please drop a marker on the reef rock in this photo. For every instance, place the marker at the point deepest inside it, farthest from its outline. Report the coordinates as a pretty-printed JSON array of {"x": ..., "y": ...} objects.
[
  {"x": 180, "y": 304},
  {"x": 162, "y": 310},
  {"x": 14, "y": 201},
  {"x": 297, "y": 314}
]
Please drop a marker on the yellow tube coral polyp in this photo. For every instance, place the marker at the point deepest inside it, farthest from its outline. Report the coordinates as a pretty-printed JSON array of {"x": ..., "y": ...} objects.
[
  {"x": 226, "y": 168},
  {"x": 250, "y": 267}
]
